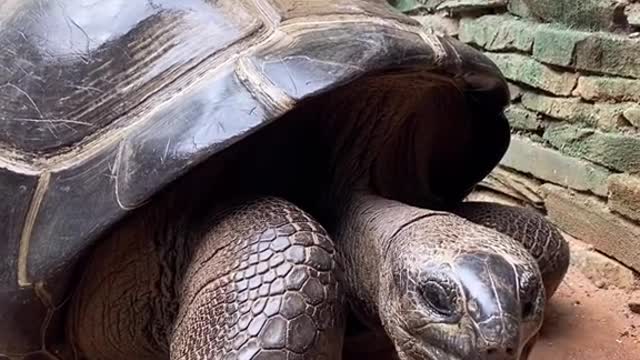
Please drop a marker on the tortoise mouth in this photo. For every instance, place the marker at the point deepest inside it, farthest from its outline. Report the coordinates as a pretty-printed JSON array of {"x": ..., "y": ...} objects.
[{"x": 409, "y": 134}]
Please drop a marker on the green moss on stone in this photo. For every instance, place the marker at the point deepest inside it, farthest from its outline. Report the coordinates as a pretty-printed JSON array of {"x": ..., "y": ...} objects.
[
  {"x": 520, "y": 118},
  {"x": 523, "y": 69},
  {"x": 556, "y": 45},
  {"x": 574, "y": 110},
  {"x": 609, "y": 54},
  {"x": 497, "y": 32},
  {"x": 616, "y": 151},
  {"x": 582, "y": 14}
]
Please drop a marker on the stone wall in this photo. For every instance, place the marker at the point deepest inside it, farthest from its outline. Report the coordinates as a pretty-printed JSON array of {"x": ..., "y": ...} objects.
[{"x": 574, "y": 69}]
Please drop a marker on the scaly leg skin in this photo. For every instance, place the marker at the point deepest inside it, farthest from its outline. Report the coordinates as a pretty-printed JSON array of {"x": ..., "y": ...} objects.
[
  {"x": 258, "y": 281},
  {"x": 528, "y": 227}
]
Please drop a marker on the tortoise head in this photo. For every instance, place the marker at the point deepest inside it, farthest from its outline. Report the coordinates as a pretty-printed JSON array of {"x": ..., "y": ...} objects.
[{"x": 459, "y": 291}]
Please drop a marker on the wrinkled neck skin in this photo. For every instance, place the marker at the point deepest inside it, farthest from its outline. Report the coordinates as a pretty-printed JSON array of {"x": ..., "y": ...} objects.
[
  {"x": 383, "y": 141},
  {"x": 365, "y": 234},
  {"x": 384, "y": 137}
]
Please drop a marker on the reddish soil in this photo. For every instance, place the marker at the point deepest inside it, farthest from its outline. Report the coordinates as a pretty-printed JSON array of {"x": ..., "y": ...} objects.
[{"x": 587, "y": 323}]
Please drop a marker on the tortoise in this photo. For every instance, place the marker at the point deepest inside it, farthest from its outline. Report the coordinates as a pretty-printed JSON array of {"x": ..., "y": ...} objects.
[{"x": 256, "y": 179}]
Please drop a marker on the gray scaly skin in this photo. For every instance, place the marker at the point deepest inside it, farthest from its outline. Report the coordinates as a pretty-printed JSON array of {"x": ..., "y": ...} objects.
[{"x": 262, "y": 280}]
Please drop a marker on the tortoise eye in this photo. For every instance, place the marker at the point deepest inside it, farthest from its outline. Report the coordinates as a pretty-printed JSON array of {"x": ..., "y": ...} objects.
[{"x": 441, "y": 298}]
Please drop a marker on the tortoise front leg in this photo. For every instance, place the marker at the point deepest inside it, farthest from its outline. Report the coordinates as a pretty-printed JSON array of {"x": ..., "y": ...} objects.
[
  {"x": 537, "y": 234},
  {"x": 258, "y": 282},
  {"x": 274, "y": 294}
]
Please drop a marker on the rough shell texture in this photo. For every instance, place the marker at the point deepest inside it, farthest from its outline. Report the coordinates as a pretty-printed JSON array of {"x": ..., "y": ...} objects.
[{"x": 103, "y": 103}]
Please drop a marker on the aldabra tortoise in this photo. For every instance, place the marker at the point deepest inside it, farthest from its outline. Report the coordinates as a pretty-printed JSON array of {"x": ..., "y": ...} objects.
[{"x": 165, "y": 111}]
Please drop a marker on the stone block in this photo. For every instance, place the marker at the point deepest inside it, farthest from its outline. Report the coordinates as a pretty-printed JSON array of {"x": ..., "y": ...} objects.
[
  {"x": 632, "y": 12},
  {"x": 519, "y": 8},
  {"x": 588, "y": 219},
  {"x": 440, "y": 24},
  {"x": 522, "y": 69},
  {"x": 497, "y": 32},
  {"x": 609, "y": 115},
  {"x": 609, "y": 54},
  {"x": 582, "y": 14},
  {"x": 616, "y": 151},
  {"x": 595, "y": 88},
  {"x": 522, "y": 119},
  {"x": 590, "y": 51},
  {"x": 569, "y": 109},
  {"x": 518, "y": 186},
  {"x": 555, "y": 45},
  {"x": 515, "y": 91},
  {"x": 603, "y": 271},
  {"x": 624, "y": 195},
  {"x": 632, "y": 115},
  {"x": 551, "y": 165},
  {"x": 574, "y": 110}
]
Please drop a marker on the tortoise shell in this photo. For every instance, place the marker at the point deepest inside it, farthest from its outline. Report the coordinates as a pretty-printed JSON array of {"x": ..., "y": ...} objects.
[{"x": 103, "y": 103}]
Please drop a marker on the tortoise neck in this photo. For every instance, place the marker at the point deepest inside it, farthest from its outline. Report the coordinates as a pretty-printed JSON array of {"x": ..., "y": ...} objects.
[{"x": 365, "y": 233}]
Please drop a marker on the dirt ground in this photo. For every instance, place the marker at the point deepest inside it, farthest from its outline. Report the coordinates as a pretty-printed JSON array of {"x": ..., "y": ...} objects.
[{"x": 587, "y": 323}]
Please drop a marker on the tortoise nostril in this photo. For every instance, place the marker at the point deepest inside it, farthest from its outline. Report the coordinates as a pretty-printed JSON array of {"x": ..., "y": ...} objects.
[
  {"x": 497, "y": 353},
  {"x": 527, "y": 309}
]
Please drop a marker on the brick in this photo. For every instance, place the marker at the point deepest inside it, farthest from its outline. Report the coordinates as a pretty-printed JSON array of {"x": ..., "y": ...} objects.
[
  {"x": 550, "y": 165},
  {"x": 580, "y": 50},
  {"x": 522, "y": 69},
  {"x": 596, "y": 88},
  {"x": 522, "y": 119},
  {"x": 581, "y": 14},
  {"x": 632, "y": 115},
  {"x": 515, "y": 91},
  {"x": 519, "y": 8},
  {"x": 616, "y": 151},
  {"x": 515, "y": 185},
  {"x": 624, "y": 195},
  {"x": 588, "y": 219},
  {"x": 599, "y": 268},
  {"x": 569, "y": 109},
  {"x": 440, "y": 24},
  {"x": 609, "y": 54},
  {"x": 497, "y": 32},
  {"x": 632, "y": 12},
  {"x": 555, "y": 45},
  {"x": 610, "y": 115},
  {"x": 574, "y": 110}
]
